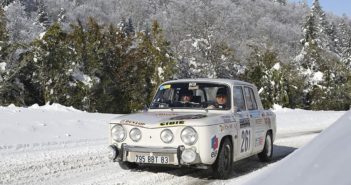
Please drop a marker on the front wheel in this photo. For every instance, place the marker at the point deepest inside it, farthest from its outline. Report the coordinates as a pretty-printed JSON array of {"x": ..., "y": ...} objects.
[
  {"x": 223, "y": 165},
  {"x": 267, "y": 153}
]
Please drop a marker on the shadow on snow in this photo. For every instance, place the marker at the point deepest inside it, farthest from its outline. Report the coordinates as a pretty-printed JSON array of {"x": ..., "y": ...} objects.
[{"x": 240, "y": 168}]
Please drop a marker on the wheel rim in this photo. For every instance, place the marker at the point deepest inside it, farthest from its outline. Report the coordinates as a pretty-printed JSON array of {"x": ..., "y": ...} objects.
[
  {"x": 226, "y": 157},
  {"x": 269, "y": 145}
]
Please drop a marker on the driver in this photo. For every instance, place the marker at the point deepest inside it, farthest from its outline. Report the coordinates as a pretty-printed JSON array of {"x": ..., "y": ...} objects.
[
  {"x": 221, "y": 99},
  {"x": 185, "y": 96}
]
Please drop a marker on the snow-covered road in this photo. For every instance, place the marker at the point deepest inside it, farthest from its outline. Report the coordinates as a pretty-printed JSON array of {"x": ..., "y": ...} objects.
[
  {"x": 59, "y": 155},
  {"x": 89, "y": 165}
]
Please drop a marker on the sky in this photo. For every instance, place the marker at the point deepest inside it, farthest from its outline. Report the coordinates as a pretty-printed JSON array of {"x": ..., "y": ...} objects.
[{"x": 338, "y": 7}]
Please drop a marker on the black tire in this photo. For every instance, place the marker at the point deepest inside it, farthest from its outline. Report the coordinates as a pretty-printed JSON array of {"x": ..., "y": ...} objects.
[
  {"x": 267, "y": 153},
  {"x": 222, "y": 168},
  {"x": 128, "y": 165}
]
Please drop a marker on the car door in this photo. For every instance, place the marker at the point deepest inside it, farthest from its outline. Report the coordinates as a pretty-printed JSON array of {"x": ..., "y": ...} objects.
[
  {"x": 244, "y": 143},
  {"x": 256, "y": 120}
]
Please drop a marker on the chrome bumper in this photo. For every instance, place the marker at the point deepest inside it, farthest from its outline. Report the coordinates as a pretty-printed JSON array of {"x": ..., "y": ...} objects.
[
  {"x": 168, "y": 150},
  {"x": 127, "y": 153}
]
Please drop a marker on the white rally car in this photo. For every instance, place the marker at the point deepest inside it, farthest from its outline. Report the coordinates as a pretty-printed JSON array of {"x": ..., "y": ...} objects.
[{"x": 202, "y": 123}]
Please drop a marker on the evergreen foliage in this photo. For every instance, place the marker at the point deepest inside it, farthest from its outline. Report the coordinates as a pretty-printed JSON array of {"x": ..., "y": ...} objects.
[
  {"x": 99, "y": 66},
  {"x": 265, "y": 71}
]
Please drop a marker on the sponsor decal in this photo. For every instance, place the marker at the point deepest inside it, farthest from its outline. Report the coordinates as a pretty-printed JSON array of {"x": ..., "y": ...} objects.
[
  {"x": 255, "y": 114},
  {"x": 259, "y": 141},
  {"x": 245, "y": 122},
  {"x": 166, "y": 114},
  {"x": 214, "y": 146},
  {"x": 245, "y": 140},
  {"x": 130, "y": 122},
  {"x": 227, "y": 119},
  {"x": 163, "y": 87},
  {"x": 259, "y": 121},
  {"x": 214, "y": 143},
  {"x": 172, "y": 123},
  {"x": 225, "y": 127},
  {"x": 193, "y": 116}
]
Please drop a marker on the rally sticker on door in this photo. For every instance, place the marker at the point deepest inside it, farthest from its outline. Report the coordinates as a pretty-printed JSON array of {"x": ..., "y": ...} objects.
[{"x": 245, "y": 140}]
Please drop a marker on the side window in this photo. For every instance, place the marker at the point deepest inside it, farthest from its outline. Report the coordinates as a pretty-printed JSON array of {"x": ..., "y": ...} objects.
[
  {"x": 239, "y": 101},
  {"x": 250, "y": 99}
]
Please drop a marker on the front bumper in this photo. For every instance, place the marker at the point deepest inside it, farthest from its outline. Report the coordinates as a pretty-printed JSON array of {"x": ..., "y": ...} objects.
[{"x": 127, "y": 153}]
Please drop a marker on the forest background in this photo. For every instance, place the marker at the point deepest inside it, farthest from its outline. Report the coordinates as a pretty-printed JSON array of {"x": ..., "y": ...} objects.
[{"x": 111, "y": 55}]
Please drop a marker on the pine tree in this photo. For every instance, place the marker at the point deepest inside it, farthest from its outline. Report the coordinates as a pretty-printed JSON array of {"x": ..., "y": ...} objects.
[
  {"x": 61, "y": 17},
  {"x": 265, "y": 70},
  {"x": 52, "y": 61},
  {"x": 130, "y": 28},
  {"x": 3, "y": 31},
  {"x": 126, "y": 26},
  {"x": 43, "y": 17},
  {"x": 345, "y": 42},
  {"x": 319, "y": 47},
  {"x": 77, "y": 40},
  {"x": 4, "y": 38}
]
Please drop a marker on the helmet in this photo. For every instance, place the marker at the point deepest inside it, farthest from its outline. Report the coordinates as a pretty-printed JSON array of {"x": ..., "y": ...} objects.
[
  {"x": 222, "y": 92},
  {"x": 185, "y": 92}
]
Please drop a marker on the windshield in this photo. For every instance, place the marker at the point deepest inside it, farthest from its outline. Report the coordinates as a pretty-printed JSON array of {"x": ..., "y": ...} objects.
[{"x": 192, "y": 96}]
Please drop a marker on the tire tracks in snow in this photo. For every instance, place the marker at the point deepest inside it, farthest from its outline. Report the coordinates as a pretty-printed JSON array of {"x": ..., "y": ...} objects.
[{"x": 90, "y": 166}]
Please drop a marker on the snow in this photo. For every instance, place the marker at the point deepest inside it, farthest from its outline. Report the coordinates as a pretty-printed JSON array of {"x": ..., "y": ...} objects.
[
  {"x": 276, "y": 66},
  {"x": 261, "y": 90},
  {"x": 2, "y": 66},
  {"x": 85, "y": 79},
  {"x": 41, "y": 35},
  {"x": 324, "y": 161},
  {"x": 49, "y": 125},
  {"x": 54, "y": 144},
  {"x": 196, "y": 42},
  {"x": 317, "y": 77},
  {"x": 160, "y": 71}
]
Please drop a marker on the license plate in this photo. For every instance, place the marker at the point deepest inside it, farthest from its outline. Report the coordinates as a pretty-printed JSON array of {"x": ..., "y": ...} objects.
[{"x": 152, "y": 159}]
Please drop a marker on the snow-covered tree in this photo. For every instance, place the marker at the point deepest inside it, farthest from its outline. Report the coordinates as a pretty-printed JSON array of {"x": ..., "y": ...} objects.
[
  {"x": 52, "y": 61},
  {"x": 21, "y": 27},
  {"x": 345, "y": 42},
  {"x": 5, "y": 2},
  {"x": 43, "y": 17},
  {"x": 3, "y": 38},
  {"x": 265, "y": 70}
]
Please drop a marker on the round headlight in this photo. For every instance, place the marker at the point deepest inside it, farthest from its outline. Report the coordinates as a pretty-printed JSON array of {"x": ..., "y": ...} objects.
[
  {"x": 188, "y": 136},
  {"x": 166, "y": 136},
  {"x": 135, "y": 134},
  {"x": 118, "y": 133},
  {"x": 188, "y": 155}
]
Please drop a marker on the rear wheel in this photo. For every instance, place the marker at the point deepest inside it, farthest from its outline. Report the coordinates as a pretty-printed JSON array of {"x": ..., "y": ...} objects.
[
  {"x": 267, "y": 153},
  {"x": 128, "y": 165},
  {"x": 224, "y": 162}
]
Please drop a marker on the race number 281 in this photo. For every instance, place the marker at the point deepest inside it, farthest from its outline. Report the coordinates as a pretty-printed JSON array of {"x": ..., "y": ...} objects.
[{"x": 245, "y": 140}]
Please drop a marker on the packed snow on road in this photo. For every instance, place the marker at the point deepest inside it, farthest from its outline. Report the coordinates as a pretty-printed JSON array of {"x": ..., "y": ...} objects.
[{"x": 53, "y": 144}]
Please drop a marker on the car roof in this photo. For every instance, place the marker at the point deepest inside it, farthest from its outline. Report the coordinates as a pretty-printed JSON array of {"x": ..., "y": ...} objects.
[{"x": 216, "y": 80}]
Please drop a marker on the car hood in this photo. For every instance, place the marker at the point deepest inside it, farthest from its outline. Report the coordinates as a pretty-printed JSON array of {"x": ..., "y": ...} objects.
[{"x": 163, "y": 119}]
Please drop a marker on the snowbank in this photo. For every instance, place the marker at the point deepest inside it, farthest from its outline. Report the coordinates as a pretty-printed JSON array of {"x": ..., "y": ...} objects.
[
  {"x": 324, "y": 161},
  {"x": 38, "y": 127},
  {"x": 298, "y": 120}
]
